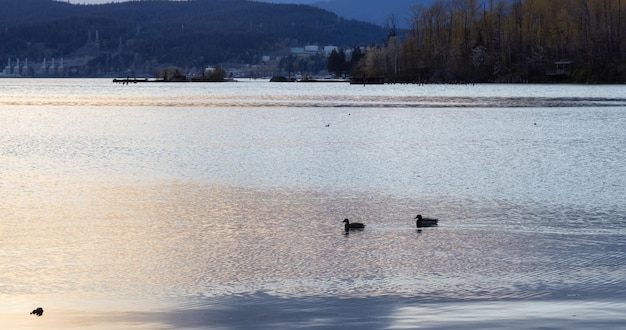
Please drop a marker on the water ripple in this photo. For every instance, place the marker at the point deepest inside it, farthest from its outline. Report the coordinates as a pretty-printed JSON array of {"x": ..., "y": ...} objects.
[
  {"x": 226, "y": 197},
  {"x": 312, "y": 101}
]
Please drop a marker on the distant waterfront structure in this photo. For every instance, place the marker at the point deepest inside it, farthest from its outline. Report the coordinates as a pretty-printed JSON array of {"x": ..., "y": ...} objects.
[
  {"x": 297, "y": 50},
  {"x": 23, "y": 68},
  {"x": 329, "y": 49},
  {"x": 313, "y": 50},
  {"x": 561, "y": 68},
  {"x": 93, "y": 42},
  {"x": 17, "y": 69},
  {"x": 8, "y": 70},
  {"x": 55, "y": 67},
  {"x": 81, "y": 62}
]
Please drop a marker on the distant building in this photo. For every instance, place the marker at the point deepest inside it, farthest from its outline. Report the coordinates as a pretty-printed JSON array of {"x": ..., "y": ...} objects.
[
  {"x": 329, "y": 49},
  {"x": 562, "y": 67}
]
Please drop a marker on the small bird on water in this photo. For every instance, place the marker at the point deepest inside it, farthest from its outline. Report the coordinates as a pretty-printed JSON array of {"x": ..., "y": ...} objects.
[
  {"x": 425, "y": 222},
  {"x": 354, "y": 225},
  {"x": 38, "y": 311}
]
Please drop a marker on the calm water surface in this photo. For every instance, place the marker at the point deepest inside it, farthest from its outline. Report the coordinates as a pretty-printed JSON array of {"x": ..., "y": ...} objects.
[{"x": 218, "y": 206}]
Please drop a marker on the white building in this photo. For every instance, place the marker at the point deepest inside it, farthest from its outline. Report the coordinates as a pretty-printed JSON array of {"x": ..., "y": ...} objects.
[{"x": 329, "y": 49}]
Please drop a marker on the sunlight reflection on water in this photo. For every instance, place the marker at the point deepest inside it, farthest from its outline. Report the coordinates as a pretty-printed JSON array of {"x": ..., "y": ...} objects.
[
  {"x": 155, "y": 200},
  {"x": 192, "y": 239}
]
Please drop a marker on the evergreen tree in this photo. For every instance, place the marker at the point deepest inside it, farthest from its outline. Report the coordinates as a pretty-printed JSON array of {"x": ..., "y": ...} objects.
[
  {"x": 337, "y": 62},
  {"x": 357, "y": 55}
]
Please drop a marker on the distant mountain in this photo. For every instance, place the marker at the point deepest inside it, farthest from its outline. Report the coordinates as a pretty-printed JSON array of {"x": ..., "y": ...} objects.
[
  {"x": 299, "y": 2},
  {"x": 187, "y": 33},
  {"x": 372, "y": 11}
]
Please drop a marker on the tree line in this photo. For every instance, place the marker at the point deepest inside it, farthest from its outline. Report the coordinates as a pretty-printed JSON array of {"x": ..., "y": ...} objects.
[{"x": 505, "y": 41}]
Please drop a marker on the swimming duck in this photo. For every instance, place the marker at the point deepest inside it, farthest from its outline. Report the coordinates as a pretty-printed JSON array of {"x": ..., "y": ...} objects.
[
  {"x": 425, "y": 222},
  {"x": 38, "y": 311},
  {"x": 354, "y": 225}
]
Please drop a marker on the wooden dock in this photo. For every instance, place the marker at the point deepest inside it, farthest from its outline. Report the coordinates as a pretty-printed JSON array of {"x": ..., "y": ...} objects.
[{"x": 126, "y": 81}]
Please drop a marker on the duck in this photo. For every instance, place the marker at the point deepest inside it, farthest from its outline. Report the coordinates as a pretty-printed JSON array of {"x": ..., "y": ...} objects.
[
  {"x": 425, "y": 222},
  {"x": 38, "y": 311},
  {"x": 354, "y": 225}
]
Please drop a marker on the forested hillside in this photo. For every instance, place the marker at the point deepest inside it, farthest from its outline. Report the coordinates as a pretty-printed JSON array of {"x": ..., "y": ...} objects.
[
  {"x": 183, "y": 33},
  {"x": 375, "y": 11},
  {"x": 515, "y": 40}
]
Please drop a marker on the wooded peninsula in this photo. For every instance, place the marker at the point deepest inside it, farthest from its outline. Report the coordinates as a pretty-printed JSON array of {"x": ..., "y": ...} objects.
[
  {"x": 506, "y": 41},
  {"x": 579, "y": 41}
]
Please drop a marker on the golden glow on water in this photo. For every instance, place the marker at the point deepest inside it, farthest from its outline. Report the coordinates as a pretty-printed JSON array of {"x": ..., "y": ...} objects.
[
  {"x": 77, "y": 237},
  {"x": 74, "y": 237}
]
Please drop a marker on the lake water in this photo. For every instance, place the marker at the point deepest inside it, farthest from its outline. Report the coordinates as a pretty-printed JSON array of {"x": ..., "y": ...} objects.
[{"x": 219, "y": 206}]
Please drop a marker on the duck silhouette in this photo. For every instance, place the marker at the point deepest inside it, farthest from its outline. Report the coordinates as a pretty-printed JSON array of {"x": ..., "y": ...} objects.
[
  {"x": 38, "y": 311},
  {"x": 354, "y": 225},
  {"x": 425, "y": 222}
]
